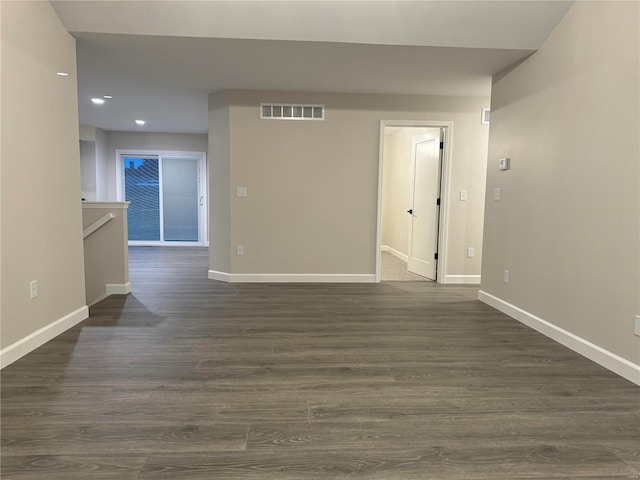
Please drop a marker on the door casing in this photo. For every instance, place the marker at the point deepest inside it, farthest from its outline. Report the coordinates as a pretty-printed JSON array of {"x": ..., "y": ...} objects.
[{"x": 443, "y": 231}]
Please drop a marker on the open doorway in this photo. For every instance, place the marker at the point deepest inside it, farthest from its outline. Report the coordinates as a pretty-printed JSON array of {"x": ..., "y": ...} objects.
[{"x": 412, "y": 192}]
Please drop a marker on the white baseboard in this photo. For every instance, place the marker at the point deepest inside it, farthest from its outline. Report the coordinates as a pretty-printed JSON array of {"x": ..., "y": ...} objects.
[
  {"x": 291, "y": 277},
  {"x": 220, "y": 276},
  {"x": 19, "y": 349},
  {"x": 466, "y": 279},
  {"x": 118, "y": 288},
  {"x": 394, "y": 252},
  {"x": 113, "y": 289},
  {"x": 607, "y": 359}
]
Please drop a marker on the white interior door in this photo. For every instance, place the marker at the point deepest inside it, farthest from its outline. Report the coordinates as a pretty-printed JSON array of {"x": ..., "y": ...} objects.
[{"x": 425, "y": 191}]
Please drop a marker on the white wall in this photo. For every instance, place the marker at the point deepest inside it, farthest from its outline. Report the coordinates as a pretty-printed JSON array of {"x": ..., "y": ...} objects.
[
  {"x": 102, "y": 165},
  {"x": 41, "y": 208},
  {"x": 88, "y": 170},
  {"x": 567, "y": 227},
  {"x": 313, "y": 186}
]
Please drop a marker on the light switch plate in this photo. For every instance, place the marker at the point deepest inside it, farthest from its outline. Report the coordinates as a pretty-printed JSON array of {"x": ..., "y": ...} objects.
[
  {"x": 241, "y": 191},
  {"x": 504, "y": 163},
  {"x": 463, "y": 195}
]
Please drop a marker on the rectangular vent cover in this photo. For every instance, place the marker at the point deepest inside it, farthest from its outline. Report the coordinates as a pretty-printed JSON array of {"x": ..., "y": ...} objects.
[{"x": 291, "y": 111}]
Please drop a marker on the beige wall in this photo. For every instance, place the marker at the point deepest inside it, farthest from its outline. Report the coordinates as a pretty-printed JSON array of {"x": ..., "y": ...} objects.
[
  {"x": 106, "y": 254},
  {"x": 567, "y": 227},
  {"x": 102, "y": 165},
  {"x": 41, "y": 210},
  {"x": 219, "y": 184},
  {"x": 181, "y": 142},
  {"x": 313, "y": 185},
  {"x": 93, "y": 163},
  {"x": 88, "y": 170}
]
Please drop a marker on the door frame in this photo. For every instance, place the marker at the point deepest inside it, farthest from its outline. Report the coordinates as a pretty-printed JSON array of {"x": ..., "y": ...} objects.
[
  {"x": 443, "y": 229},
  {"x": 203, "y": 230}
]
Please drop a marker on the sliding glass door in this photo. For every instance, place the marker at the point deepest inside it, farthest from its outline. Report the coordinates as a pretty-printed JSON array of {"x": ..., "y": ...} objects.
[{"x": 167, "y": 198}]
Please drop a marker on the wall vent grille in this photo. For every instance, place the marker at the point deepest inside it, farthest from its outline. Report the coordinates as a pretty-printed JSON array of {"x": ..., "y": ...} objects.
[{"x": 291, "y": 111}]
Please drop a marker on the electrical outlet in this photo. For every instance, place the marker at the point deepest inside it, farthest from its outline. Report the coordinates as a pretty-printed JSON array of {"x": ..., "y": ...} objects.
[
  {"x": 241, "y": 191},
  {"x": 504, "y": 164},
  {"x": 471, "y": 252},
  {"x": 497, "y": 194},
  {"x": 636, "y": 328},
  {"x": 240, "y": 250},
  {"x": 505, "y": 276},
  {"x": 33, "y": 286}
]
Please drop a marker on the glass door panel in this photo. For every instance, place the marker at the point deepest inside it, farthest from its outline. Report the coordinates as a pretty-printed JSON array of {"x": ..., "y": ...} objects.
[
  {"x": 142, "y": 189},
  {"x": 180, "y": 199}
]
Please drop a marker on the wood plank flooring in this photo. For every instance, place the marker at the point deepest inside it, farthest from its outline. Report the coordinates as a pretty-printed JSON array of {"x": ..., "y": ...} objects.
[{"x": 187, "y": 378}]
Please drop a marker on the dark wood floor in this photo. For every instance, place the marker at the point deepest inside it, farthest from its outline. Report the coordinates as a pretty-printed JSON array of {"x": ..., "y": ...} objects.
[{"x": 188, "y": 378}]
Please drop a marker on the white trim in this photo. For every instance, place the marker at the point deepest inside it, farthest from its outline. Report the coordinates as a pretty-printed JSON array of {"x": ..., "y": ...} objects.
[
  {"x": 443, "y": 234},
  {"x": 160, "y": 198},
  {"x": 106, "y": 205},
  {"x": 97, "y": 224},
  {"x": 156, "y": 243},
  {"x": 607, "y": 359},
  {"x": 379, "y": 206},
  {"x": 19, "y": 349},
  {"x": 291, "y": 277},
  {"x": 118, "y": 288},
  {"x": 394, "y": 252},
  {"x": 465, "y": 279},
  {"x": 99, "y": 299},
  {"x": 113, "y": 289}
]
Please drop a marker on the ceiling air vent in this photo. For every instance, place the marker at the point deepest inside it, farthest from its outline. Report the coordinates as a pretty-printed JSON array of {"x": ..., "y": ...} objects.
[{"x": 291, "y": 111}]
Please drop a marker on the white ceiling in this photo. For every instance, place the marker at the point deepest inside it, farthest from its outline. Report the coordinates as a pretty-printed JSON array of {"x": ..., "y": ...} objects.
[{"x": 161, "y": 59}]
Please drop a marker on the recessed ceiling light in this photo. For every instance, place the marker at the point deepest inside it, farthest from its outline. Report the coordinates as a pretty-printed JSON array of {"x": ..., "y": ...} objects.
[
  {"x": 108, "y": 97},
  {"x": 62, "y": 74},
  {"x": 98, "y": 101},
  {"x": 140, "y": 122}
]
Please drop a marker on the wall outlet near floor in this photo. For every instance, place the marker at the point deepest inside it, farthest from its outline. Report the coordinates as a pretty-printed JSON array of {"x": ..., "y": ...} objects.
[
  {"x": 471, "y": 252},
  {"x": 505, "y": 276},
  {"x": 239, "y": 249},
  {"x": 33, "y": 287},
  {"x": 636, "y": 327},
  {"x": 497, "y": 194}
]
